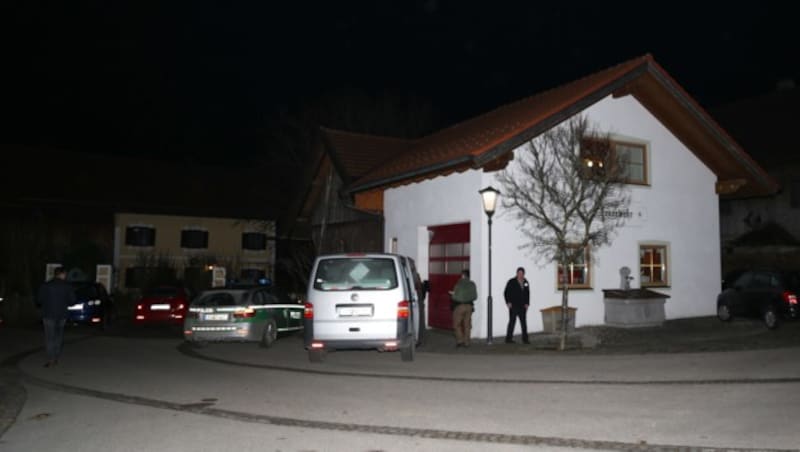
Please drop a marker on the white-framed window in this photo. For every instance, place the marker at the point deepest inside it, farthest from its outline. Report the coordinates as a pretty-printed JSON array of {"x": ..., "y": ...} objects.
[
  {"x": 630, "y": 155},
  {"x": 194, "y": 238},
  {"x": 577, "y": 275},
  {"x": 254, "y": 241},
  {"x": 654, "y": 269},
  {"x": 633, "y": 158},
  {"x": 140, "y": 235}
]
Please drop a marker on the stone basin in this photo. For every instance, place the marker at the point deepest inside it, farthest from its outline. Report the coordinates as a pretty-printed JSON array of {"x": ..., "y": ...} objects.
[
  {"x": 632, "y": 293},
  {"x": 634, "y": 308}
]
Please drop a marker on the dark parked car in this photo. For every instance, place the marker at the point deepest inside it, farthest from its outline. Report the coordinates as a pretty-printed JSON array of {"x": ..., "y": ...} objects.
[
  {"x": 767, "y": 294},
  {"x": 94, "y": 304},
  {"x": 729, "y": 278}
]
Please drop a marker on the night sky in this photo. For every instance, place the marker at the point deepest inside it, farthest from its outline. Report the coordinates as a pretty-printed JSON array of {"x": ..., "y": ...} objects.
[{"x": 202, "y": 79}]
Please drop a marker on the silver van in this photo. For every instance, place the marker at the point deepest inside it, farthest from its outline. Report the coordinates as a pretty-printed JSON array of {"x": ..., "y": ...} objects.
[{"x": 362, "y": 301}]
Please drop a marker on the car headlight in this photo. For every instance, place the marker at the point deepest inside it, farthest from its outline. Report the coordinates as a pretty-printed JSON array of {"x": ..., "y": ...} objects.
[{"x": 94, "y": 302}]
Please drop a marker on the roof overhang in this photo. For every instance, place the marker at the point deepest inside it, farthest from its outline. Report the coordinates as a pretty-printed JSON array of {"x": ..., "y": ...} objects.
[{"x": 738, "y": 175}]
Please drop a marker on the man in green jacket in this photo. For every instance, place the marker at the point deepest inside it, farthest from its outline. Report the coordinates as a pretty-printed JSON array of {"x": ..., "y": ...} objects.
[{"x": 463, "y": 295}]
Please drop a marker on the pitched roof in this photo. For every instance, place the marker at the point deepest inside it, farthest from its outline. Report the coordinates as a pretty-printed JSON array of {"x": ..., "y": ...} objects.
[
  {"x": 481, "y": 141},
  {"x": 352, "y": 155},
  {"x": 355, "y": 154}
]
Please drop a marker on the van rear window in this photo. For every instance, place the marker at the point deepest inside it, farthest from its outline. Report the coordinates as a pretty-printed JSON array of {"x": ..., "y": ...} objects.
[{"x": 355, "y": 274}]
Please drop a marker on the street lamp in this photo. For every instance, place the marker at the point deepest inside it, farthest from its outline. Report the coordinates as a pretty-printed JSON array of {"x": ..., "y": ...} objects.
[{"x": 489, "y": 196}]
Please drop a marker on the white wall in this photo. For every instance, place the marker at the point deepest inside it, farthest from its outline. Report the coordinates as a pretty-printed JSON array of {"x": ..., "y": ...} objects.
[
  {"x": 680, "y": 207},
  {"x": 410, "y": 209}
]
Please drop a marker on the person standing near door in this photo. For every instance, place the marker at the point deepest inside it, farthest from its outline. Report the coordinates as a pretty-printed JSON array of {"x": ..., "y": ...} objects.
[
  {"x": 54, "y": 297},
  {"x": 518, "y": 298},
  {"x": 464, "y": 295}
]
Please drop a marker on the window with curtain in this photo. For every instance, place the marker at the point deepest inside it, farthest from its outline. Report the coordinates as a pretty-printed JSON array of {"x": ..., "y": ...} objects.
[
  {"x": 576, "y": 275},
  {"x": 653, "y": 265},
  {"x": 632, "y": 157}
]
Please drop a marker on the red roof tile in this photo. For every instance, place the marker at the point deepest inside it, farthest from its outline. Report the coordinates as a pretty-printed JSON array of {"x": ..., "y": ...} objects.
[
  {"x": 356, "y": 154},
  {"x": 478, "y": 135},
  {"x": 480, "y": 140}
]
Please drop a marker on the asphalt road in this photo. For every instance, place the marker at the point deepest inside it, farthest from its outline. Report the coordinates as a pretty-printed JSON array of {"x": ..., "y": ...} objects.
[{"x": 128, "y": 392}]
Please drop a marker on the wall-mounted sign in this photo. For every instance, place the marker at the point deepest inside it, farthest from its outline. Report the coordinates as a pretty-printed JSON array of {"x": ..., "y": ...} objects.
[{"x": 635, "y": 215}]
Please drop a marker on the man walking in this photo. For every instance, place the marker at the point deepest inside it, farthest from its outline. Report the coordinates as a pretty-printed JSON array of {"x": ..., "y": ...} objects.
[
  {"x": 54, "y": 297},
  {"x": 518, "y": 297},
  {"x": 463, "y": 295}
]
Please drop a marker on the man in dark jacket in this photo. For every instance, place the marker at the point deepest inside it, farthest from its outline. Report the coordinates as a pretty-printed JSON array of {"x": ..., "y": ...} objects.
[
  {"x": 54, "y": 297},
  {"x": 518, "y": 298}
]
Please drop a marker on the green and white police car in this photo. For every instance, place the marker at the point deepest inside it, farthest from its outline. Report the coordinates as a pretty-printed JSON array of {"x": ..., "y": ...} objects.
[{"x": 256, "y": 314}]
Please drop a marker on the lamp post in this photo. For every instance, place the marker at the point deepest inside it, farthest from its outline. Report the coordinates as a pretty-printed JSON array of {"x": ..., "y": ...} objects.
[{"x": 489, "y": 196}]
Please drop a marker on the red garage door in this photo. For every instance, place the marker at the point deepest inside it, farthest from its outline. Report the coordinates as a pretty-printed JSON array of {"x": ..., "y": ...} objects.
[{"x": 448, "y": 255}]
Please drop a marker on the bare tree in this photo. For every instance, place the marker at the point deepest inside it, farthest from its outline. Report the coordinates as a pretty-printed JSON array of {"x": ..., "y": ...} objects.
[{"x": 566, "y": 190}]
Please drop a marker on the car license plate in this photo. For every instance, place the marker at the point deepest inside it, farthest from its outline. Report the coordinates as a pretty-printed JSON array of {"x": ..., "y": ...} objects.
[
  {"x": 215, "y": 317},
  {"x": 354, "y": 311},
  {"x": 294, "y": 314},
  {"x": 159, "y": 307},
  {"x": 76, "y": 307}
]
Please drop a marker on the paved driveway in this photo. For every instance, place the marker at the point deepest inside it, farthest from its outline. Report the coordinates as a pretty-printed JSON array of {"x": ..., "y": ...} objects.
[{"x": 485, "y": 398}]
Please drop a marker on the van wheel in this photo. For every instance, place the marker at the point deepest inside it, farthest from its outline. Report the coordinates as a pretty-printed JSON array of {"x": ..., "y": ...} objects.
[
  {"x": 770, "y": 318},
  {"x": 407, "y": 353},
  {"x": 270, "y": 334},
  {"x": 316, "y": 356}
]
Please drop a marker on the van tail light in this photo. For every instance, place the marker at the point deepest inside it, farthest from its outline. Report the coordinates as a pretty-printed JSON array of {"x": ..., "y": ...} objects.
[
  {"x": 403, "y": 310},
  {"x": 308, "y": 312},
  {"x": 245, "y": 313},
  {"x": 789, "y": 297}
]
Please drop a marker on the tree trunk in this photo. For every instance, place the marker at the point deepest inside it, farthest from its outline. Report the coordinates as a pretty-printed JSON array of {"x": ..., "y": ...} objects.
[{"x": 564, "y": 310}]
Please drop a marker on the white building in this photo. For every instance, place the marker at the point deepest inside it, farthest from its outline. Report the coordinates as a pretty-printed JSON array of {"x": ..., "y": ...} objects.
[{"x": 433, "y": 213}]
